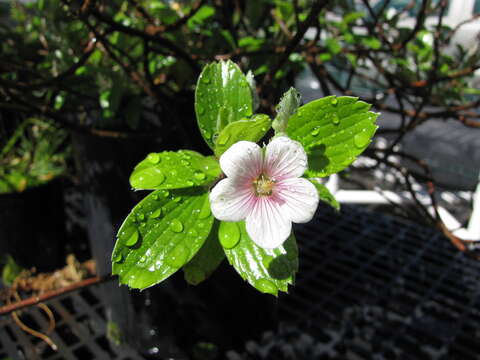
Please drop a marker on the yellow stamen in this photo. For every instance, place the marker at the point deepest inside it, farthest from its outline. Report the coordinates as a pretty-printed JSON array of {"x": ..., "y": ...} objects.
[{"x": 263, "y": 186}]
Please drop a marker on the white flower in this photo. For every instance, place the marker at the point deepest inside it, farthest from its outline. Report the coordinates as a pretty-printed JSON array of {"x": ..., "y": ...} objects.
[{"x": 265, "y": 189}]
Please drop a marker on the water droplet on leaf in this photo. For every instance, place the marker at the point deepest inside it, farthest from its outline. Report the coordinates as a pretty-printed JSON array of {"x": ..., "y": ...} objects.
[
  {"x": 133, "y": 239},
  {"x": 147, "y": 178},
  {"x": 334, "y": 101},
  {"x": 222, "y": 140},
  {"x": 199, "y": 175},
  {"x": 154, "y": 158},
  {"x": 315, "y": 131},
  {"x": 348, "y": 161},
  {"x": 335, "y": 119},
  {"x": 156, "y": 213},
  {"x": 177, "y": 199},
  {"x": 155, "y": 197},
  {"x": 266, "y": 286},
  {"x": 185, "y": 154},
  {"x": 176, "y": 226},
  {"x": 118, "y": 258},
  {"x": 361, "y": 139},
  {"x": 200, "y": 109},
  {"x": 229, "y": 234},
  {"x": 205, "y": 210}
]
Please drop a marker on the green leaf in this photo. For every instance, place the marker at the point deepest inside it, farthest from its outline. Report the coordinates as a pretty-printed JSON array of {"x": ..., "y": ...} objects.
[
  {"x": 251, "y": 43},
  {"x": 222, "y": 96},
  {"x": 287, "y": 107},
  {"x": 325, "y": 57},
  {"x": 59, "y": 101},
  {"x": 333, "y": 46},
  {"x": 200, "y": 16},
  {"x": 351, "y": 17},
  {"x": 161, "y": 234},
  {"x": 206, "y": 261},
  {"x": 268, "y": 270},
  {"x": 333, "y": 131},
  {"x": 352, "y": 58},
  {"x": 249, "y": 130},
  {"x": 472, "y": 91},
  {"x": 174, "y": 170},
  {"x": 325, "y": 195},
  {"x": 10, "y": 271},
  {"x": 371, "y": 42}
]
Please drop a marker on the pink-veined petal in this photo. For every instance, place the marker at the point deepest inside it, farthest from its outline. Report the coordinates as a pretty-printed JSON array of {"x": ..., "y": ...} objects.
[
  {"x": 242, "y": 160},
  {"x": 266, "y": 225},
  {"x": 285, "y": 158},
  {"x": 298, "y": 199},
  {"x": 229, "y": 202}
]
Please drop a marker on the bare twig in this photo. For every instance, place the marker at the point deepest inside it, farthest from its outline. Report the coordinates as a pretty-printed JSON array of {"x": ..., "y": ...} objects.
[
  {"x": 302, "y": 29},
  {"x": 418, "y": 26},
  {"x": 179, "y": 52},
  {"x": 34, "y": 300}
]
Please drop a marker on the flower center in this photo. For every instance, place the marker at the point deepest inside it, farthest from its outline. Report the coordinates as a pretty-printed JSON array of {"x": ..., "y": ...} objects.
[{"x": 263, "y": 186}]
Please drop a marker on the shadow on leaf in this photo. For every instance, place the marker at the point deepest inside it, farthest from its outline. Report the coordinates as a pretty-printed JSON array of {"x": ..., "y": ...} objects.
[
  {"x": 280, "y": 268},
  {"x": 317, "y": 161}
]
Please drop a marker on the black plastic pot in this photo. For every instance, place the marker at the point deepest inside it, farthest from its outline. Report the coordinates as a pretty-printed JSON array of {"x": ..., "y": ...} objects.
[
  {"x": 173, "y": 315},
  {"x": 104, "y": 165},
  {"x": 32, "y": 226},
  {"x": 223, "y": 312}
]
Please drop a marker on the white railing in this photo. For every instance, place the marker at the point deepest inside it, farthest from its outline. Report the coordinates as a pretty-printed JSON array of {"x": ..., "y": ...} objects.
[{"x": 470, "y": 232}]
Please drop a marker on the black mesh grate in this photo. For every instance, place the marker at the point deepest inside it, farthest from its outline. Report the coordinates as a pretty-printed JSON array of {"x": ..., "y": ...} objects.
[
  {"x": 80, "y": 331},
  {"x": 376, "y": 287},
  {"x": 369, "y": 287}
]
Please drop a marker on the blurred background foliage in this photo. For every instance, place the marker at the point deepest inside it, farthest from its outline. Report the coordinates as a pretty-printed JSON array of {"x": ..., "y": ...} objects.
[
  {"x": 35, "y": 154},
  {"x": 131, "y": 66},
  {"x": 125, "y": 64}
]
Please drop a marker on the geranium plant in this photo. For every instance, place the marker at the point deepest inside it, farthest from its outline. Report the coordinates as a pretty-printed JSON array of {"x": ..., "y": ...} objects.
[{"x": 240, "y": 202}]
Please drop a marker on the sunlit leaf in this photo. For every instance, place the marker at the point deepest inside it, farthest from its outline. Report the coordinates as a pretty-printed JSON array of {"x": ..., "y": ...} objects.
[
  {"x": 161, "y": 234},
  {"x": 268, "y": 270},
  {"x": 174, "y": 170},
  {"x": 334, "y": 131},
  {"x": 249, "y": 130},
  {"x": 222, "y": 96}
]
